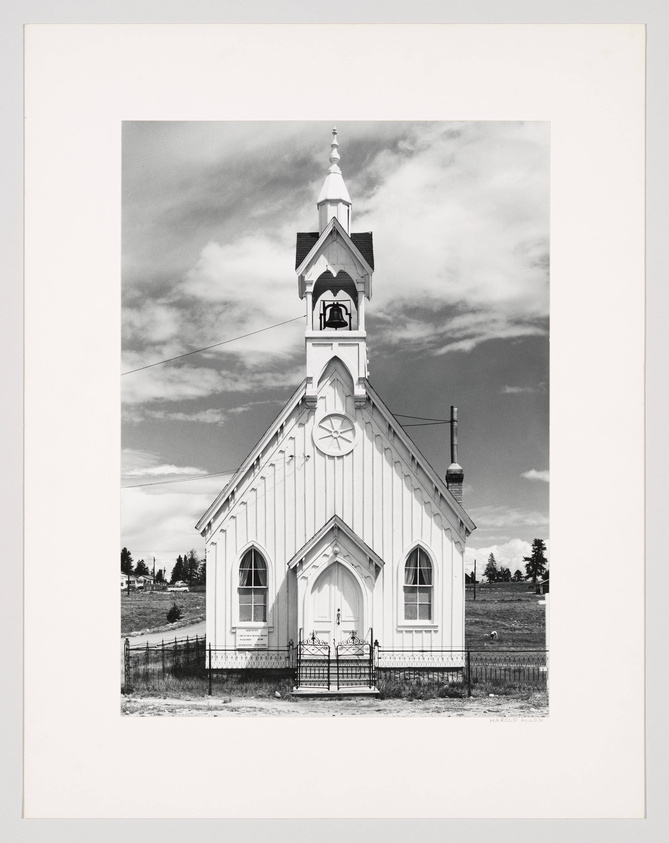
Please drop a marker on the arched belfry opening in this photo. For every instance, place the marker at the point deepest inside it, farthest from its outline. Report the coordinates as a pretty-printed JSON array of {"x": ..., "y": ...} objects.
[{"x": 334, "y": 302}]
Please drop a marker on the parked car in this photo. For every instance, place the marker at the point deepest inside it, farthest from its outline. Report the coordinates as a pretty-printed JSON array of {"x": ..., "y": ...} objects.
[{"x": 179, "y": 585}]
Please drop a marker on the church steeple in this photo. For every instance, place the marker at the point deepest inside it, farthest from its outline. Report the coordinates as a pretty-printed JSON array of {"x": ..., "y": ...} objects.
[
  {"x": 334, "y": 200},
  {"x": 334, "y": 269}
]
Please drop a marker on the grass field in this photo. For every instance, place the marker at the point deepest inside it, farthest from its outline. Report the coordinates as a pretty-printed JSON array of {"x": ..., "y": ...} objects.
[
  {"x": 141, "y": 611},
  {"x": 509, "y": 609}
]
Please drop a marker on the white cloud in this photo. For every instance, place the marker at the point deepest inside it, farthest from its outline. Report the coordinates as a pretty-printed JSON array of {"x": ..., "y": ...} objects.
[
  {"x": 533, "y": 474},
  {"x": 507, "y": 518},
  {"x": 146, "y": 464},
  {"x": 516, "y": 390},
  {"x": 163, "y": 471},
  {"x": 160, "y": 521},
  {"x": 213, "y": 415},
  {"x": 188, "y": 382},
  {"x": 507, "y": 555},
  {"x": 463, "y": 222}
]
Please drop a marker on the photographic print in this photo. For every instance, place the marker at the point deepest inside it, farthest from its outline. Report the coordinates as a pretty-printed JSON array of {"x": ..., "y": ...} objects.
[{"x": 335, "y": 418}]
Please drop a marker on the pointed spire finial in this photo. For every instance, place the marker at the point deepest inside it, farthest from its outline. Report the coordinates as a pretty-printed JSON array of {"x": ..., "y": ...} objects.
[
  {"x": 334, "y": 155},
  {"x": 333, "y": 200}
]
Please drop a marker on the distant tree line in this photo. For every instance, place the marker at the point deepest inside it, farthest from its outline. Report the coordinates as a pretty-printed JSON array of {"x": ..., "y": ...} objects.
[
  {"x": 188, "y": 568},
  {"x": 536, "y": 566}
]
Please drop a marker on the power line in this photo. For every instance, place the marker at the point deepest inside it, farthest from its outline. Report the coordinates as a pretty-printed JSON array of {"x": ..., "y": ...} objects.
[
  {"x": 421, "y": 418},
  {"x": 426, "y": 424},
  {"x": 232, "y": 470},
  {"x": 180, "y": 479},
  {"x": 215, "y": 345}
]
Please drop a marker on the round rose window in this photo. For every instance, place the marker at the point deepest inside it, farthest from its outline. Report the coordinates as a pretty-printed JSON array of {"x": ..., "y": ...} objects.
[{"x": 334, "y": 435}]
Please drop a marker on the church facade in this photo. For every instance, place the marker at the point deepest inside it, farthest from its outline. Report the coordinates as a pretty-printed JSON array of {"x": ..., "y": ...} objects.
[{"x": 335, "y": 532}]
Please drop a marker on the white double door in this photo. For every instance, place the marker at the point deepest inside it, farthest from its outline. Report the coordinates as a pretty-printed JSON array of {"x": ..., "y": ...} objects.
[{"x": 336, "y": 606}]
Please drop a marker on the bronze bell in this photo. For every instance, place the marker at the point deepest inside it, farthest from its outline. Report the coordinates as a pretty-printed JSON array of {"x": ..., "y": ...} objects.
[{"x": 335, "y": 317}]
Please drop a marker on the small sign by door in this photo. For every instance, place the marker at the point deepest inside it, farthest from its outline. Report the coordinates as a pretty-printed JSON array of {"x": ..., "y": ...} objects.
[{"x": 252, "y": 639}]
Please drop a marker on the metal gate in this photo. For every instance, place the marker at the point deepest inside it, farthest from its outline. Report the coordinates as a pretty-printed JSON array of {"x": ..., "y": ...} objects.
[
  {"x": 353, "y": 664},
  {"x": 313, "y": 663}
]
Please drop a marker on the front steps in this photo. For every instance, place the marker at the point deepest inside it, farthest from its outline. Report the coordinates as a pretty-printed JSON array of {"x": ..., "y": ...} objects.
[{"x": 343, "y": 677}]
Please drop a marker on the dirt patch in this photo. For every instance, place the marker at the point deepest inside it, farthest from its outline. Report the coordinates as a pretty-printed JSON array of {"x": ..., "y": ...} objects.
[{"x": 533, "y": 708}]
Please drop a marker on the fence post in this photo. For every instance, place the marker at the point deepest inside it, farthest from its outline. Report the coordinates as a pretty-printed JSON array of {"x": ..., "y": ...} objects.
[
  {"x": 210, "y": 670},
  {"x": 162, "y": 646},
  {"x": 126, "y": 663},
  {"x": 469, "y": 674}
]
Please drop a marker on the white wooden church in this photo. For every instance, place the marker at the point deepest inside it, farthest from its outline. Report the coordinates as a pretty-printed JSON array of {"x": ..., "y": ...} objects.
[{"x": 335, "y": 540}]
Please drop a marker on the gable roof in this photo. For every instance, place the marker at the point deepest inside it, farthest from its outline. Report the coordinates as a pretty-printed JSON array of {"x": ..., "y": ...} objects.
[
  {"x": 335, "y": 523},
  {"x": 257, "y": 450},
  {"x": 306, "y": 240},
  {"x": 418, "y": 456},
  {"x": 263, "y": 444}
]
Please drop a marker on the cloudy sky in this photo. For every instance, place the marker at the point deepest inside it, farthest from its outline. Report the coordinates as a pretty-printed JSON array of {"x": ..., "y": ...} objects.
[{"x": 459, "y": 313}]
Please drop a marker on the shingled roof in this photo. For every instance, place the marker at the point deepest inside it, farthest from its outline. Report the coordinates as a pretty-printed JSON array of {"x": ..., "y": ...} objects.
[{"x": 306, "y": 240}]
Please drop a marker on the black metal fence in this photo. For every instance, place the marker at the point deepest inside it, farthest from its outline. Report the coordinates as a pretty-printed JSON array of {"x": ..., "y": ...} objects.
[
  {"x": 507, "y": 669},
  {"x": 189, "y": 665},
  {"x": 154, "y": 665}
]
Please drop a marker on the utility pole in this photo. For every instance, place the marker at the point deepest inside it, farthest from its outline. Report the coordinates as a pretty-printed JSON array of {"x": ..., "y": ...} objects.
[{"x": 475, "y": 579}]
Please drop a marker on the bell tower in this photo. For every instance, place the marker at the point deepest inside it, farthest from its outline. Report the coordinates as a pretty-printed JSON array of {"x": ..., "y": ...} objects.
[{"x": 334, "y": 270}]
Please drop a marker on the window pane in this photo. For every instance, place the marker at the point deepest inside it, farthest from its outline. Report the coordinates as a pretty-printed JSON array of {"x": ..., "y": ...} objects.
[
  {"x": 410, "y": 613},
  {"x": 425, "y": 574},
  {"x": 259, "y": 613},
  {"x": 424, "y": 613},
  {"x": 260, "y": 572},
  {"x": 423, "y": 595},
  {"x": 245, "y": 569},
  {"x": 245, "y": 612},
  {"x": 244, "y": 596}
]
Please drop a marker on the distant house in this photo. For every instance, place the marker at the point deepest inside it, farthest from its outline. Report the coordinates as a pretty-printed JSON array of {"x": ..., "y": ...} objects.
[
  {"x": 145, "y": 581},
  {"x": 469, "y": 579},
  {"x": 125, "y": 578},
  {"x": 142, "y": 583}
]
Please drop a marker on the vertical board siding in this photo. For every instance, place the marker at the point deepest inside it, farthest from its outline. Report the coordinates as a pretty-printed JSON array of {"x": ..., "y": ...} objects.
[{"x": 376, "y": 489}]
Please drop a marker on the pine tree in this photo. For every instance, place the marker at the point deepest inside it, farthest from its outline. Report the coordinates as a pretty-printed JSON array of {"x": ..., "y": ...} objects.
[
  {"x": 141, "y": 568},
  {"x": 126, "y": 561},
  {"x": 537, "y": 562},
  {"x": 518, "y": 576},
  {"x": 178, "y": 570},
  {"x": 504, "y": 575},
  {"x": 191, "y": 565},
  {"x": 491, "y": 573}
]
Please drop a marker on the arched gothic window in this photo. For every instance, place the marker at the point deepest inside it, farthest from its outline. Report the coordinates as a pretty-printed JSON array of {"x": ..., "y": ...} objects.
[
  {"x": 252, "y": 587},
  {"x": 418, "y": 586}
]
